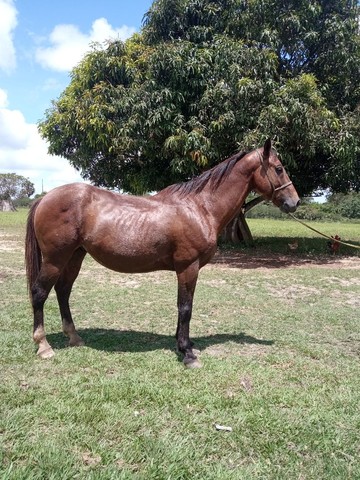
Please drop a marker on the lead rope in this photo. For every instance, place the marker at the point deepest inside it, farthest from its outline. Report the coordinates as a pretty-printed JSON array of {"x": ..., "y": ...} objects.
[{"x": 323, "y": 234}]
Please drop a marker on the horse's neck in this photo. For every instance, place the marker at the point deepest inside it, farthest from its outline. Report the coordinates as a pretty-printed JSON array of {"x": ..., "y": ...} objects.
[{"x": 225, "y": 202}]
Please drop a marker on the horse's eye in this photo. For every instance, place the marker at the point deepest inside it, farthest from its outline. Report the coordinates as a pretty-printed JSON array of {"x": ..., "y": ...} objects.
[{"x": 279, "y": 169}]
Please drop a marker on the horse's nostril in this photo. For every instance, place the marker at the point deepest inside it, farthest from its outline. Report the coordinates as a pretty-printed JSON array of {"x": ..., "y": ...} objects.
[{"x": 289, "y": 207}]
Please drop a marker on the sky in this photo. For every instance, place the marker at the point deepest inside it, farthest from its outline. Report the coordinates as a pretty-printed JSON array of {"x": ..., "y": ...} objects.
[{"x": 40, "y": 42}]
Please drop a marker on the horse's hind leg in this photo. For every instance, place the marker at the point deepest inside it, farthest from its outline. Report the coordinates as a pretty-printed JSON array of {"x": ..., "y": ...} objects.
[
  {"x": 63, "y": 288},
  {"x": 46, "y": 279}
]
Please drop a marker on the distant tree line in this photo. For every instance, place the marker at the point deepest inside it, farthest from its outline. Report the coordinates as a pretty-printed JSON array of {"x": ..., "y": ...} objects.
[
  {"x": 14, "y": 189},
  {"x": 338, "y": 207}
]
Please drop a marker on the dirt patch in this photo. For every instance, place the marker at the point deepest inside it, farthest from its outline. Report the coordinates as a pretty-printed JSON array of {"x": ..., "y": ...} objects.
[
  {"x": 267, "y": 261},
  {"x": 8, "y": 272},
  {"x": 294, "y": 292},
  {"x": 10, "y": 246},
  {"x": 346, "y": 298},
  {"x": 341, "y": 282}
]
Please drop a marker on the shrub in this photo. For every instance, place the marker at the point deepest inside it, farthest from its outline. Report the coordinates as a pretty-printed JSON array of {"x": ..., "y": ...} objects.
[{"x": 350, "y": 206}]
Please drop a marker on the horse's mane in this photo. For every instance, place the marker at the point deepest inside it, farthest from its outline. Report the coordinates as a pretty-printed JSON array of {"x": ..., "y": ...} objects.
[{"x": 213, "y": 177}]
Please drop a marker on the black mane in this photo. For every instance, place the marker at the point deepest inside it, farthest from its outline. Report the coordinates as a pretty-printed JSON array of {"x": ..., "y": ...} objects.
[{"x": 213, "y": 177}]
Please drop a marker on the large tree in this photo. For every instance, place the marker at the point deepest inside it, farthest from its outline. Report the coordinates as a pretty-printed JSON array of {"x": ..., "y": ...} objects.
[{"x": 206, "y": 78}]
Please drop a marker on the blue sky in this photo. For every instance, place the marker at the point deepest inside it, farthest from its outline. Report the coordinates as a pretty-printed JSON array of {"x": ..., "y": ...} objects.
[{"x": 40, "y": 41}]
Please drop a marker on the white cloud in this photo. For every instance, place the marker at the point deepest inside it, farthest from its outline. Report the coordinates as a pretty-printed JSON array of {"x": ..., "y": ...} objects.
[
  {"x": 8, "y": 22},
  {"x": 3, "y": 98},
  {"x": 24, "y": 152},
  {"x": 68, "y": 44}
]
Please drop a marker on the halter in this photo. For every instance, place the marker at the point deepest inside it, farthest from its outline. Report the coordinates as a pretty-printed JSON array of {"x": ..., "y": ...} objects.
[{"x": 274, "y": 189}]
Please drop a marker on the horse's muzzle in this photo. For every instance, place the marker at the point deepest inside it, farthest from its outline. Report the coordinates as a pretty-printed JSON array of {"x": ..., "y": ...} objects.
[{"x": 289, "y": 206}]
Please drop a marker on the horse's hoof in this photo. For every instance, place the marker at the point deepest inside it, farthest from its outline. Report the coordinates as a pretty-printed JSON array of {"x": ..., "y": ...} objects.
[
  {"x": 192, "y": 363},
  {"x": 45, "y": 353}
]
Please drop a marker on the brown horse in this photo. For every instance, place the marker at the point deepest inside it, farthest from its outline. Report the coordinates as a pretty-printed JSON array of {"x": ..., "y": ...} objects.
[{"x": 177, "y": 230}]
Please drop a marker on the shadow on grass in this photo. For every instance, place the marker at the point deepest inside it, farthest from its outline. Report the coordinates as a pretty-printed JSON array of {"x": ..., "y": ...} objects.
[
  {"x": 110, "y": 340},
  {"x": 271, "y": 252}
]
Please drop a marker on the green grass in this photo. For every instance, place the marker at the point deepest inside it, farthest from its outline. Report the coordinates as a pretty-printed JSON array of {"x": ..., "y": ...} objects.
[{"x": 279, "y": 337}]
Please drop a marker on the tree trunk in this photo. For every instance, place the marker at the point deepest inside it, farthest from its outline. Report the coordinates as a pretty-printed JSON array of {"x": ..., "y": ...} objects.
[
  {"x": 238, "y": 231},
  {"x": 7, "y": 206}
]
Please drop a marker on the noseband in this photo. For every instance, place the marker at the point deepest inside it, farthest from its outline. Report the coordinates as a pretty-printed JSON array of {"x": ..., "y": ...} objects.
[{"x": 274, "y": 189}]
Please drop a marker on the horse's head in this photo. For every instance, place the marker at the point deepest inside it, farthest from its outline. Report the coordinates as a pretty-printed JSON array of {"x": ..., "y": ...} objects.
[{"x": 272, "y": 182}]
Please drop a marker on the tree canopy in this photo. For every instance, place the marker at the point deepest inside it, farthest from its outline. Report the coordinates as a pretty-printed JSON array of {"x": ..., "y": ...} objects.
[
  {"x": 205, "y": 78},
  {"x": 13, "y": 186}
]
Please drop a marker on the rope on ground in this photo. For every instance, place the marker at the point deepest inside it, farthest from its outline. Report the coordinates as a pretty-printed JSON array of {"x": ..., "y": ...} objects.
[{"x": 323, "y": 234}]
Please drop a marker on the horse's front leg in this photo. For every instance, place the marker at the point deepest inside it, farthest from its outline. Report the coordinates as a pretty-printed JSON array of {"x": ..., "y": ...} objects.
[{"x": 186, "y": 287}]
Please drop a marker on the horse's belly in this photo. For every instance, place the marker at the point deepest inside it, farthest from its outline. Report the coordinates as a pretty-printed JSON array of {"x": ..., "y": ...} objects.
[
  {"x": 129, "y": 258},
  {"x": 143, "y": 243}
]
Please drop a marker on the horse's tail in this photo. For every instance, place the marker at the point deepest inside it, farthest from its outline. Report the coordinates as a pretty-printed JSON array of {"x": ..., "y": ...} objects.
[{"x": 33, "y": 258}]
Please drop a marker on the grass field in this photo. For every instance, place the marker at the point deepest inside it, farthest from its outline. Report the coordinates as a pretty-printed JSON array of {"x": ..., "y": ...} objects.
[{"x": 279, "y": 336}]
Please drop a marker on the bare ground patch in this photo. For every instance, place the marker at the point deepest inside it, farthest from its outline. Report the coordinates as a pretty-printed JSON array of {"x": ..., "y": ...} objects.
[
  {"x": 10, "y": 245},
  {"x": 345, "y": 298},
  {"x": 268, "y": 261},
  {"x": 8, "y": 272},
  {"x": 342, "y": 282},
  {"x": 294, "y": 292}
]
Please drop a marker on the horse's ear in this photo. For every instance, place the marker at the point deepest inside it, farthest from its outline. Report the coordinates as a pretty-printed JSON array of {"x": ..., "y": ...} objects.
[{"x": 267, "y": 148}]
